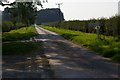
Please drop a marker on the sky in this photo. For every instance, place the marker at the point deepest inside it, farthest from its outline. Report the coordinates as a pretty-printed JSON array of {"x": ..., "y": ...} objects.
[{"x": 83, "y": 9}]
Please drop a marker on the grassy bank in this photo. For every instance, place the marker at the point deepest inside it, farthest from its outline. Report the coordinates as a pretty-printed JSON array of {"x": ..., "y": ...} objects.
[
  {"x": 16, "y": 48},
  {"x": 108, "y": 48},
  {"x": 20, "y": 34}
]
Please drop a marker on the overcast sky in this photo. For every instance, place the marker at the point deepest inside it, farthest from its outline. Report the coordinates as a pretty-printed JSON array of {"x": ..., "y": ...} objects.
[{"x": 83, "y": 9}]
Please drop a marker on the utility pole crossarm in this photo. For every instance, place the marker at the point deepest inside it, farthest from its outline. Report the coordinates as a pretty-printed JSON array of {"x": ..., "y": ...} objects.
[{"x": 59, "y": 4}]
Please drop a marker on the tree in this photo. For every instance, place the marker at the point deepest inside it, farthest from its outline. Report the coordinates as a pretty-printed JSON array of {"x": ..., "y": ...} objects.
[
  {"x": 24, "y": 12},
  {"x": 38, "y": 2}
]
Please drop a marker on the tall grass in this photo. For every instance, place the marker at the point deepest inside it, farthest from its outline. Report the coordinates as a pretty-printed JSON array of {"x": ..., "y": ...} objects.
[
  {"x": 107, "y": 48},
  {"x": 19, "y": 34}
]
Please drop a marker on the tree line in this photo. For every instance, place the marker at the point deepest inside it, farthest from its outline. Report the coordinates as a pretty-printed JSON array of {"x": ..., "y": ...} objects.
[
  {"x": 22, "y": 14},
  {"x": 108, "y": 27}
]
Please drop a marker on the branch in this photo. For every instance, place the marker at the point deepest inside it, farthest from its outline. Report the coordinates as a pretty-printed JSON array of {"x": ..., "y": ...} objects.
[{"x": 6, "y": 4}]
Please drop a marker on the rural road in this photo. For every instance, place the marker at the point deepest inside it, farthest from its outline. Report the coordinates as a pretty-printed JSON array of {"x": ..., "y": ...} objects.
[{"x": 69, "y": 60}]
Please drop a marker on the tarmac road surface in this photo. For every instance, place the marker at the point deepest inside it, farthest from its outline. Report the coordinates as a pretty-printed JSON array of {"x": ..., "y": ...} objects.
[{"x": 69, "y": 60}]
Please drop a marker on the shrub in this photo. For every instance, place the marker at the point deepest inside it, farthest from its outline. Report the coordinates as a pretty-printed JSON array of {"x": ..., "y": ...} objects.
[
  {"x": 96, "y": 46},
  {"x": 7, "y": 26},
  {"x": 20, "y": 25}
]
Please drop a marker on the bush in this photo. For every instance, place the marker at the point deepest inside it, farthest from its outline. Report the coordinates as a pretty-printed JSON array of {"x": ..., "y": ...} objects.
[
  {"x": 7, "y": 26},
  {"x": 96, "y": 46},
  {"x": 20, "y": 25}
]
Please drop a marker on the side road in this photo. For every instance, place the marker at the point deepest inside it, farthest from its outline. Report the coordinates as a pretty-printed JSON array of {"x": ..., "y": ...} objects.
[{"x": 69, "y": 60}]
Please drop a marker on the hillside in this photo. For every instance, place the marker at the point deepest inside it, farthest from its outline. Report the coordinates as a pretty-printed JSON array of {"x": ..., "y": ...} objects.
[{"x": 49, "y": 15}]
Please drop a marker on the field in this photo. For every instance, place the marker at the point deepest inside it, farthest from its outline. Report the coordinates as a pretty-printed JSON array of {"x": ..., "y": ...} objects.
[
  {"x": 108, "y": 48},
  {"x": 19, "y": 34}
]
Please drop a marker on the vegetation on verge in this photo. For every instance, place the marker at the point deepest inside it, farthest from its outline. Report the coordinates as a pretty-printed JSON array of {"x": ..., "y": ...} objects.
[
  {"x": 15, "y": 48},
  {"x": 8, "y": 26},
  {"x": 19, "y": 34},
  {"x": 107, "y": 48},
  {"x": 108, "y": 27}
]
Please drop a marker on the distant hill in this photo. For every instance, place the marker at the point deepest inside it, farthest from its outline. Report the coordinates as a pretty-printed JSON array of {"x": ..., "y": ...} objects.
[{"x": 49, "y": 15}]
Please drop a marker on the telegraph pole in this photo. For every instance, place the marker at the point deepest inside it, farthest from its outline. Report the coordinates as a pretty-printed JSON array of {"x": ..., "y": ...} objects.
[{"x": 59, "y": 4}]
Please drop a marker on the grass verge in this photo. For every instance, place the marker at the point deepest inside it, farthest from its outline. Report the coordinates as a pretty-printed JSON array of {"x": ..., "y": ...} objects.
[
  {"x": 16, "y": 48},
  {"x": 20, "y": 34},
  {"x": 108, "y": 48}
]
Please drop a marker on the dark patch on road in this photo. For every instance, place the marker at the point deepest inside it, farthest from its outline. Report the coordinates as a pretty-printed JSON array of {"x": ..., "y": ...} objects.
[{"x": 31, "y": 65}]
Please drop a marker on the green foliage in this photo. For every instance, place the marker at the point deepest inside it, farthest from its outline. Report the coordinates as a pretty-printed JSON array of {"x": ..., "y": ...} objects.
[
  {"x": 19, "y": 34},
  {"x": 96, "y": 45},
  {"x": 23, "y": 12},
  {"x": 108, "y": 27},
  {"x": 19, "y": 25},
  {"x": 107, "y": 48},
  {"x": 112, "y": 26},
  {"x": 15, "y": 48},
  {"x": 7, "y": 26}
]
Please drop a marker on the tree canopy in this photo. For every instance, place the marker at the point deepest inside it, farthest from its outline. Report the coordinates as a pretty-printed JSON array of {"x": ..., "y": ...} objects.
[{"x": 23, "y": 12}]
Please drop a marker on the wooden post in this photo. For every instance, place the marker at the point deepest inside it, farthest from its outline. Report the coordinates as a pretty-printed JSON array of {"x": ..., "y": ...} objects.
[{"x": 97, "y": 31}]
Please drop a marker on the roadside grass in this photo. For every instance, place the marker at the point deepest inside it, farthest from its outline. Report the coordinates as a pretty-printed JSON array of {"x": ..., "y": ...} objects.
[
  {"x": 107, "y": 48},
  {"x": 18, "y": 48},
  {"x": 11, "y": 44},
  {"x": 19, "y": 34}
]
